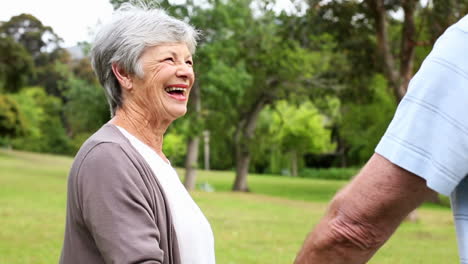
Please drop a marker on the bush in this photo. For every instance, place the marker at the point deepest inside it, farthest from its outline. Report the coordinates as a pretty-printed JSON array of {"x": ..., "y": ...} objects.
[
  {"x": 12, "y": 123},
  {"x": 329, "y": 174},
  {"x": 175, "y": 148},
  {"x": 44, "y": 129}
]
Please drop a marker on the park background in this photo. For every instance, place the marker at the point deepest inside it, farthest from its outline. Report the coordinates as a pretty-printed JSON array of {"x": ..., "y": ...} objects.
[{"x": 288, "y": 105}]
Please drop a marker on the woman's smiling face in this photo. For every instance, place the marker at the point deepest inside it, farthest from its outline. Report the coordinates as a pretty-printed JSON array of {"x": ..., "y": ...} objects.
[{"x": 163, "y": 90}]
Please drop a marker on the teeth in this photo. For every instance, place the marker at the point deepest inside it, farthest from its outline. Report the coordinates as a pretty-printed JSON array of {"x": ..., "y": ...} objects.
[{"x": 172, "y": 89}]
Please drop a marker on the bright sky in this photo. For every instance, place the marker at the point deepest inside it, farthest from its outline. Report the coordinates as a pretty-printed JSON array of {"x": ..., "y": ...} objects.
[{"x": 72, "y": 20}]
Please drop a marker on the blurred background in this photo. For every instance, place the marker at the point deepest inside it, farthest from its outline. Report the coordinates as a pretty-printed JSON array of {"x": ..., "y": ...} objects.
[{"x": 290, "y": 101}]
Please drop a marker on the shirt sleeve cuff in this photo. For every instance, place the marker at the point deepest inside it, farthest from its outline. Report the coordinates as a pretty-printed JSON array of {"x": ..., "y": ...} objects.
[{"x": 415, "y": 163}]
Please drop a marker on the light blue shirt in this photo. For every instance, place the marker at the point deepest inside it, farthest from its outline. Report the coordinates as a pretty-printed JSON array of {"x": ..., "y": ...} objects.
[{"x": 428, "y": 135}]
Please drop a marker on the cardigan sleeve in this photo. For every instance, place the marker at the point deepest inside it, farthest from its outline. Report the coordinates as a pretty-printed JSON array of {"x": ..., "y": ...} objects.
[{"x": 116, "y": 207}]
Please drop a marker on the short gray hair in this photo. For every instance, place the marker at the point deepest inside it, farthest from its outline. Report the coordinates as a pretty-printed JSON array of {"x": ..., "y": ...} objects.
[{"x": 132, "y": 29}]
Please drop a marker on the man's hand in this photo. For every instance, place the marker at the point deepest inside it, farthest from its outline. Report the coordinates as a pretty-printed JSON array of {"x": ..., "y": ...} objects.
[{"x": 363, "y": 215}]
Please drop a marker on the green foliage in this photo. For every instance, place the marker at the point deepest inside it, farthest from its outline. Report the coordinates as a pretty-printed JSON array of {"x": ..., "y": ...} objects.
[
  {"x": 66, "y": 101},
  {"x": 86, "y": 109},
  {"x": 16, "y": 65},
  {"x": 247, "y": 69},
  {"x": 288, "y": 129},
  {"x": 364, "y": 124},
  {"x": 329, "y": 174},
  {"x": 223, "y": 87},
  {"x": 33, "y": 115},
  {"x": 54, "y": 139},
  {"x": 174, "y": 148},
  {"x": 12, "y": 123},
  {"x": 300, "y": 128},
  {"x": 440, "y": 14},
  {"x": 44, "y": 129},
  {"x": 53, "y": 72}
]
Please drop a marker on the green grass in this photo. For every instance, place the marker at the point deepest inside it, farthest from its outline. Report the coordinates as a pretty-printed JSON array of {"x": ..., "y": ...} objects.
[{"x": 267, "y": 225}]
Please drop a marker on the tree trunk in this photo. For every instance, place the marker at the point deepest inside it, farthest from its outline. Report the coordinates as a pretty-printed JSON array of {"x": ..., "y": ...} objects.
[
  {"x": 242, "y": 139},
  {"x": 294, "y": 163},
  {"x": 242, "y": 169},
  {"x": 340, "y": 146},
  {"x": 398, "y": 80},
  {"x": 206, "y": 152},
  {"x": 191, "y": 163},
  {"x": 408, "y": 44},
  {"x": 383, "y": 45},
  {"x": 192, "y": 145}
]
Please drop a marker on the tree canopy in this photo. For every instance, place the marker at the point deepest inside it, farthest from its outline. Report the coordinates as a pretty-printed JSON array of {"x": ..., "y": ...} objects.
[{"x": 274, "y": 89}]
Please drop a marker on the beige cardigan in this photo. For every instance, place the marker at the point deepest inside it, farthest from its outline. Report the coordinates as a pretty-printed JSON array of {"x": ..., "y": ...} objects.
[{"x": 116, "y": 209}]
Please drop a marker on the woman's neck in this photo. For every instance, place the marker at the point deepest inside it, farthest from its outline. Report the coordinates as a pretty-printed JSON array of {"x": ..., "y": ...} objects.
[{"x": 148, "y": 130}]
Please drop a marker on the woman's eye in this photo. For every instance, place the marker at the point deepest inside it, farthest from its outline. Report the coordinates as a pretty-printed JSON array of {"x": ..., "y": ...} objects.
[
  {"x": 189, "y": 62},
  {"x": 169, "y": 59}
]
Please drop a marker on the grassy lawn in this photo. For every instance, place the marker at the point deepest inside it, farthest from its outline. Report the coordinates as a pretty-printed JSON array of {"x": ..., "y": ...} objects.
[{"x": 267, "y": 225}]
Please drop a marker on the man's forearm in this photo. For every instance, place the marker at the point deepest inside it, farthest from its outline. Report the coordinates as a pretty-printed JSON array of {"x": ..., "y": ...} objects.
[
  {"x": 364, "y": 214},
  {"x": 335, "y": 241}
]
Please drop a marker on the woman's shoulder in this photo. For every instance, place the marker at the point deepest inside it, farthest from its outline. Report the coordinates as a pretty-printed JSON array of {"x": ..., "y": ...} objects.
[
  {"x": 108, "y": 133},
  {"x": 106, "y": 146}
]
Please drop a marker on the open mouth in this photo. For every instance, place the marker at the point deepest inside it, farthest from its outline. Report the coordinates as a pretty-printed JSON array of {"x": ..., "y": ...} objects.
[
  {"x": 177, "y": 93},
  {"x": 175, "y": 90}
]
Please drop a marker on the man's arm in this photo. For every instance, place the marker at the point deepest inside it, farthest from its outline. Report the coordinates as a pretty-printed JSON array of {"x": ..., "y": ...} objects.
[{"x": 363, "y": 215}]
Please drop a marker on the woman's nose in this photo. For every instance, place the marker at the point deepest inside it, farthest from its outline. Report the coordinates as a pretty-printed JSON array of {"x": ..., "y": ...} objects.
[{"x": 184, "y": 71}]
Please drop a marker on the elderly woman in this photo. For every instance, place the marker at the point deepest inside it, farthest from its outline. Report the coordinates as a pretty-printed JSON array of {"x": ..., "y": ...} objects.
[{"x": 126, "y": 203}]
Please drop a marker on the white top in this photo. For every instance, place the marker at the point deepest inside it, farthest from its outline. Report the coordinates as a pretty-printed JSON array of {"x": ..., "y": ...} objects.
[
  {"x": 194, "y": 234},
  {"x": 429, "y": 133}
]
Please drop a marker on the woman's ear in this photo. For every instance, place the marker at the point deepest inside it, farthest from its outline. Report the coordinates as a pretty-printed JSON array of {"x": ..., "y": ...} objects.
[{"x": 124, "y": 78}]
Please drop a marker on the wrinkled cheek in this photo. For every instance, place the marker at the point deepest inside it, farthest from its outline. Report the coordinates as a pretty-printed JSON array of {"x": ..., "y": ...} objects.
[
  {"x": 153, "y": 102},
  {"x": 153, "y": 95}
]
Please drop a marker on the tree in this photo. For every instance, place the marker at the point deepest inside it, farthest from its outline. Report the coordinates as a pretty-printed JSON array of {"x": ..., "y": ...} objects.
[
  {"x": 31, "y": 33},
  {"x": 243, "y": 71},
  {"x": 16, "y": 65},
  {"x": 396, "y": 38},
  {"x": 438, "y": 15},
  {"x": 398, "y": 79},
  {"x": 86, "y": 109},
  {"x": 280, "y": 69},
  {"x": 42, "y": 45},
  {"x": 193, "y": 142},
  {"x": 288, "y": 129},
  {"x": 53, "y": 72},
  {"x": 401, "y": 43},
  {"x": 45, "y": 131},
  {"x": 367, "y": 39},
  {"x": 364, "y": 124}
]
